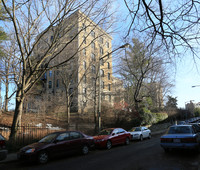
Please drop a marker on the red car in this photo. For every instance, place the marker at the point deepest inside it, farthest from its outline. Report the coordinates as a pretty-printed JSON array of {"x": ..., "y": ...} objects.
[
  {"x": 2, "y": 142},
  {"x": 3, "y": 151},
  {"x": 112, "y": 136},
  {"x": 56, "y": 144}
]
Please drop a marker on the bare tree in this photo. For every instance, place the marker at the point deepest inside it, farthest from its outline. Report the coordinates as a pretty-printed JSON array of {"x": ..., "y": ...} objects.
[
  {"x": 33, "y": 22},
  {"x": 174, "y": 24},
  {"x": 140, "y": 69},
  {"x": 7, "y": 63}
]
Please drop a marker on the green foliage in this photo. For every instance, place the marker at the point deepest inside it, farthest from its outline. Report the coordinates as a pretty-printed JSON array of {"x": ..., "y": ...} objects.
[
  {"x": 2, "y": 35},
  {"x": 171, "y": 103},
  {"x": 197, "y": 112},
  {"x": 150, "y": 118}
]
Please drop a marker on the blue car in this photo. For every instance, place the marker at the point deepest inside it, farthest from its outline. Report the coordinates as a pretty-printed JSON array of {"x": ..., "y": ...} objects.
[{"x": 181, "y": 137}]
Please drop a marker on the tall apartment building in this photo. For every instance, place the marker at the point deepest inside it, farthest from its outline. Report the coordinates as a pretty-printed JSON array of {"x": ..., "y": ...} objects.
[{"x": 75, "y": 82}]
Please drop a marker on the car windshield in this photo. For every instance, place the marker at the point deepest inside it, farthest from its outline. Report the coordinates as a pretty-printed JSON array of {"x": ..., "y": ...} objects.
[
  {"x": 48, "y": 138},
  {"x": 106, "y": 132},
  {"x": 180, "y": 130},
  {"x": 1, "y": 138},
  {"x": 136, "y": 129}
]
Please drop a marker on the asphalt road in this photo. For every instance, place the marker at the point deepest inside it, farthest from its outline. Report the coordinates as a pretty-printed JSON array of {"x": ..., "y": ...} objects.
[{"x": 145, "y": 155}]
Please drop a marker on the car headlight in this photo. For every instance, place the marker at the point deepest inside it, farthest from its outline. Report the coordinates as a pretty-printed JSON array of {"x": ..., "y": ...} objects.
[{"x": 31, "y": 150}]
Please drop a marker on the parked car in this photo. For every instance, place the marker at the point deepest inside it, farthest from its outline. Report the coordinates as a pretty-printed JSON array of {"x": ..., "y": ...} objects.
[
  {"x": 181, "y": 122},
  {"x": 3, "y": 151},
  {"x": 56, "y": 144},
  {"x": 112, "y": 136},
  {"x": 181, "y": 137},
  {"x": 139, "y": 133},
  {"x": 196, "y": 126}
]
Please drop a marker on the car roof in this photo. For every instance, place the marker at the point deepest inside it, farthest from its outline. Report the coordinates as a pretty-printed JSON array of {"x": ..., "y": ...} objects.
[
  {"x": 180, "y": 125},
  {"x": 58, "y": 132}
]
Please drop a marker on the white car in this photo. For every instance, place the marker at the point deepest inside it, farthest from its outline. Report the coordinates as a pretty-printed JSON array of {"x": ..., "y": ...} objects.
[{"x": 139, "y": 133}]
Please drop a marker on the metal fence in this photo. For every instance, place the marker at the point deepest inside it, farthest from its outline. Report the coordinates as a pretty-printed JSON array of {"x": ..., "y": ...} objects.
[{"x": 26, "y": 134}]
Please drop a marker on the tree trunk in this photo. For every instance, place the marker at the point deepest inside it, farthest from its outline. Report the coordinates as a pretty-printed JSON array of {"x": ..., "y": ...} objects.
[
  {"x": 68, "y": 106},
  {"x": 17, "y": 115},
  {"x": 95, "y": 110},
  {"x": 7, "y": 88},
  {"x": 6, "y": 95},
  {"x": 68, "y": 109}
]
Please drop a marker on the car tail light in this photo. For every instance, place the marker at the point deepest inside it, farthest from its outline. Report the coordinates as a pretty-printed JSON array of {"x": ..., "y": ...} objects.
[
  {"x": 189, "y": 140},
  {"x": 2, "y": 144},
  {"x": 165, "y": 140}
]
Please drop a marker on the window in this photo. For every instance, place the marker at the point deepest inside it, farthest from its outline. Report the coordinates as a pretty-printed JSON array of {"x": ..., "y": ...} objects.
[
  {"x": 84, "y": 65},
  {"x": 109, "y": 98},
  {"x": 84, "y": 79},
  {"x": 109, "y": 87},
  {"x": 102, "y": 62},
  {"x": 93, "y": 69},
  {"x": 93, "y": 45},
  {"x": 57, "y": 83},
  {"x": 75, "y": 135},
  {"x": 84, "y": 52},
  {"x": 101, "y": 40},
  {"x": 102, "y": 85},
  {"x": 93, "y": 57},
  {"x": 50, "y": 84},
  {"x": 93, "y": 33},
  {"x": 108, "y": 76},
  {"x": 107, "y": 44},
  {"x": 108, "y": 65},
  {"x": 101, "y": 50},
  {"x": 84, "y": 90},
  {"x": 63, "y": 136},
  {"x": 121, "y": 130},
  {"x": 52, "y": 38},
  {"x": 102, "y": 73},
  {"x": 70, "y": 91},
  {"x": 50, "y": 73}
]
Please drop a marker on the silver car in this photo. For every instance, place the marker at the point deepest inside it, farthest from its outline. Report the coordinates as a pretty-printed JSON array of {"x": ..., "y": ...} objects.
[{"x": 139, "y": 133}]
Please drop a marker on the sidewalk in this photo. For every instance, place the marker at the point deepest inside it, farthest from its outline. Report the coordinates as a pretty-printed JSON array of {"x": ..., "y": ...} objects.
[{"x": 10, "y": 158}]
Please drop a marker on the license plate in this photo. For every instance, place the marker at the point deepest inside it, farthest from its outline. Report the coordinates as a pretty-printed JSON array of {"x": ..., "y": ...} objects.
[{"x": 177, "y": 140}]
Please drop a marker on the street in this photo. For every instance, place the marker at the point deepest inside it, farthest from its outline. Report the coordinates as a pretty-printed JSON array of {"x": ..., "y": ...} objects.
[{"x": 145, "y": 155}]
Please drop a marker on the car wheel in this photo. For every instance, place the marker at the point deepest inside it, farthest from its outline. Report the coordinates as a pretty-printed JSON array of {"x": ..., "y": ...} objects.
[
  {"x": 127, "y": 141},
  {"x": 43, "y": 157},
  {"x": 85, "y": 150},
  {"x": 108, "y": 144},
  {"x": 149, "y": 136},
  {"x": 141, "y": 138}
]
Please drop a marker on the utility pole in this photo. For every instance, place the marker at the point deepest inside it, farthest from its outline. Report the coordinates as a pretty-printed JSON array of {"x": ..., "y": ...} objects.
[{"x": 99, "y": 69}]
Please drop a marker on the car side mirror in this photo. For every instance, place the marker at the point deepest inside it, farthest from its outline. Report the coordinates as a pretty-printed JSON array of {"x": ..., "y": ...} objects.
[{"x": 113, "y": 134}]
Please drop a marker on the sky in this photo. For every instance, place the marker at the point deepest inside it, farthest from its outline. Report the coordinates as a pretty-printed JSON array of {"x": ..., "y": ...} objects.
[{"x": 186, "y": 74}]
